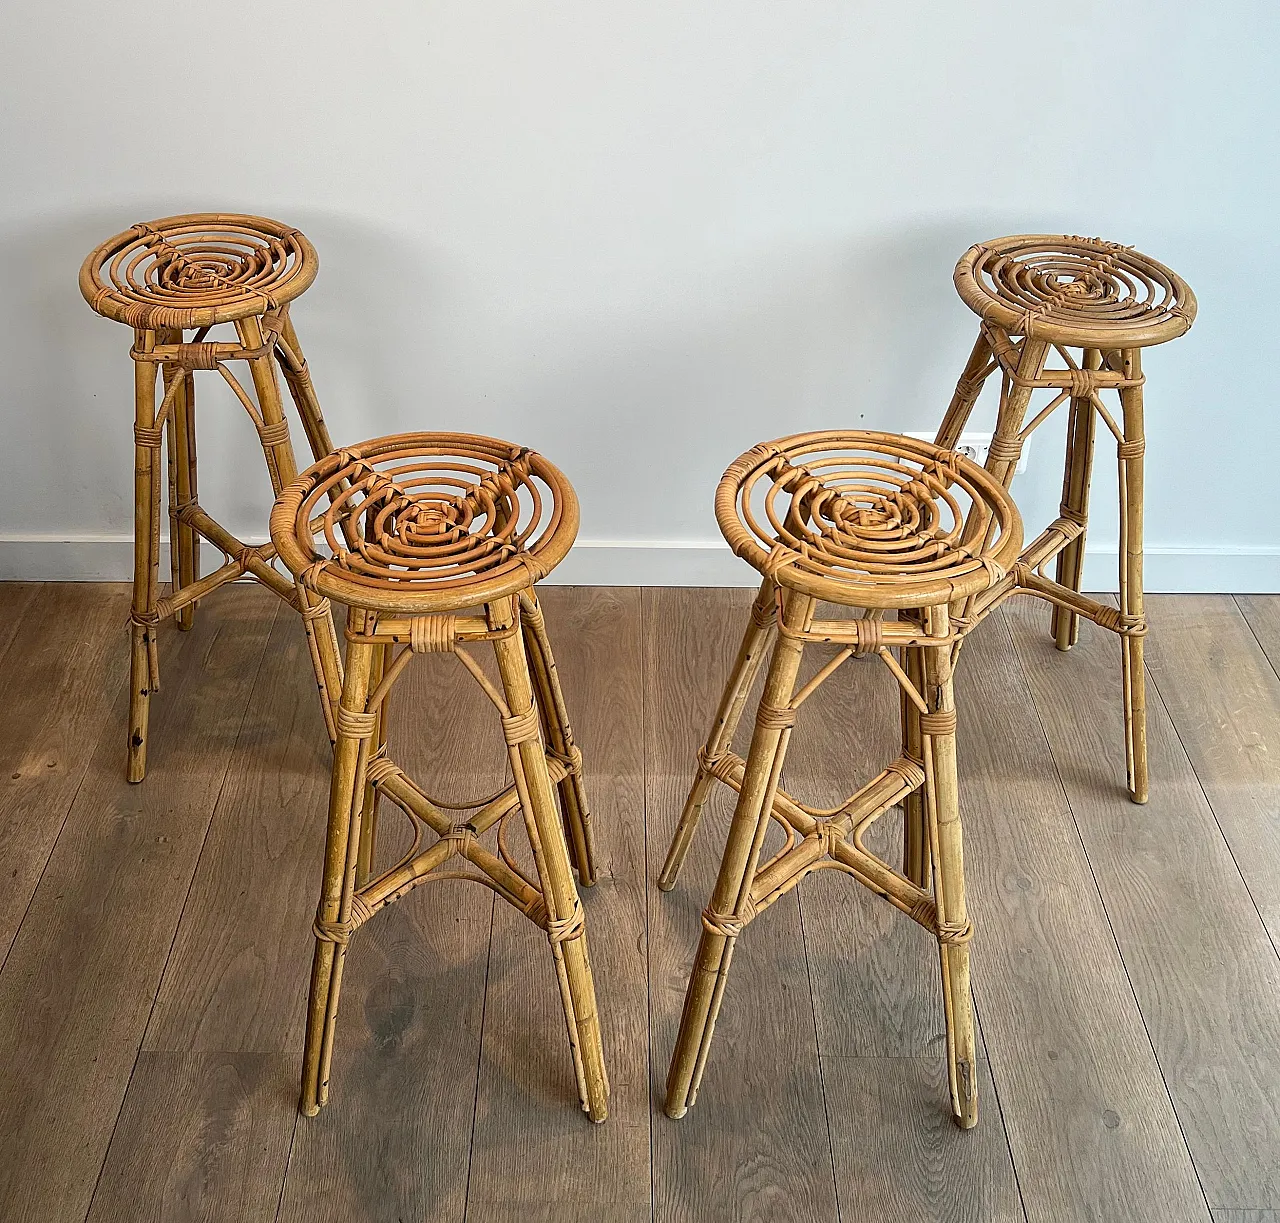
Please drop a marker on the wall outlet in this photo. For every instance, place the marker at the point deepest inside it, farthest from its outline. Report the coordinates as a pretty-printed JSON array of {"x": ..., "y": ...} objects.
[{"x": 975, "y": 446}]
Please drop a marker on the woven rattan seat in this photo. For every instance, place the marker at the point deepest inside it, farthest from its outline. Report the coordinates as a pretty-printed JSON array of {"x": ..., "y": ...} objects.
[
  {"x": 879, "y": 522},
  {"x": 434, "y": 541},
  {"x": 197, "y": 270},
  {"x": 426, "y": 522},
  {"x": 868, "y": 519},
  {"x": 1083, "y": 292}
]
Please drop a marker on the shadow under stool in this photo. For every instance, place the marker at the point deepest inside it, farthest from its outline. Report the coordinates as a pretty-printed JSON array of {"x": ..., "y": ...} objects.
[
  {"x": 434, "y": 541},
  {"x": 191, "y": 274},
  {"x": 876, "y": 522},
  {"x": 1093, "y": 306}
]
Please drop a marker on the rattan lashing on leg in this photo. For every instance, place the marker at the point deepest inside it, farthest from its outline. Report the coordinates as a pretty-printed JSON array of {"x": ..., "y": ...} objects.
[
  {"x": 434, "y": 542},
  {"x": 1091, "y": 306},
  {"x": 877, "y": 522},
  {"x": 195, "y": 273}
]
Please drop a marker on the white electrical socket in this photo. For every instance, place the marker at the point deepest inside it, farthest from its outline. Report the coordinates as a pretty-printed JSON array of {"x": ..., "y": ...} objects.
[{"x": 976, "y": 445}]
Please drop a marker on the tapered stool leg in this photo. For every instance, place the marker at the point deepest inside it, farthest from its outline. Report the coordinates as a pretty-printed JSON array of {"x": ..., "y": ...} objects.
[
  {"x": 555, "y": 720},
  {"x": 297, "y": 377},
  {"x": 746, "y": 666},
  {"x": 965, "y": 397},
  {"x": 184, "y": 449},
  {"x": 915, "y": 823},
  {"x": 731, "y": 907},
  {"x": 369, "y": 804},
  {"x": 144, "y": 670},
  {"x": 333, "y": 924},
  {"x": 1065, "y": 623},
  {"x": 1132, "y": 616},
  {"x": 566, "y": 929},
  {"x": 952, "y": 922}
]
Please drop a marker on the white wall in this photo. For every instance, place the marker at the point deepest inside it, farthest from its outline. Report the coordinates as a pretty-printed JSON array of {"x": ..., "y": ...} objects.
[{"x": 641, "y": 238}]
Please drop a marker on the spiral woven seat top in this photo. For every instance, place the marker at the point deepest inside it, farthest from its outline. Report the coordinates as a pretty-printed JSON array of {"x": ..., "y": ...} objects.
[
  {"x": 197, "y": 270},
  {"x": 440, "y": 521},
  {"x": 1078, "y": 291},
  {"x": 868, "y": 519}
]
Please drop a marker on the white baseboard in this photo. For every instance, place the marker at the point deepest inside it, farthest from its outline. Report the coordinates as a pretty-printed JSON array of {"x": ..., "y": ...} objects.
[{"x": 1192, "y": 569}]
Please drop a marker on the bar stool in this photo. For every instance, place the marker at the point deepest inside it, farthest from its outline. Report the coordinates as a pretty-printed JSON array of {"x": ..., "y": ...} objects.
[
  {"x": 1107, "y": 302},
  {"x": 872, "y": 521},
  {"x": 410, "y": 531},
  {"x": 191, "y": 273}
]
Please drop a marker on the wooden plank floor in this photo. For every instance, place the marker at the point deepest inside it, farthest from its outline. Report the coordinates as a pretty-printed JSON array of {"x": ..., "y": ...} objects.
[{"x": 155, "y": 941}]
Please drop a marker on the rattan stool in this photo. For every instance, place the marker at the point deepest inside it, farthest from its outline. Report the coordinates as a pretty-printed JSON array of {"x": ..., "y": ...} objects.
[
  {"x": 163, "y": 279},
  {"x": 872, "y": 521},
  {"x": 1108, "y": 302},
  {"x": 408, "y": 531}
]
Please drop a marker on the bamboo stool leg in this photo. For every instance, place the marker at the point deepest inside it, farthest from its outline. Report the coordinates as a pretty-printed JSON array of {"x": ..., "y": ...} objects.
[
  {"x": 180, "y": 567},
  {"x": 144, "y": 670},
  {"x": 369, "y": 804},
  {"x": 555, "y": 721},
  {"x": 953, "y": 928},
  {"x": 968, "y": 388},
  {"x": 282, "y": 468},
  {"x": 566, "y": 929},
  {"x": 333, "y": 918},
  {"x": 1131, "y": 452},
  {"x": 915, "y": 824},
  {"x": 297, "y": 377},
  {"x": 731, "y": 907},
  {"x": 1065, "y": 623},
  {"x": 746, "y": 666},
  {"x": 184, "y": 443}
]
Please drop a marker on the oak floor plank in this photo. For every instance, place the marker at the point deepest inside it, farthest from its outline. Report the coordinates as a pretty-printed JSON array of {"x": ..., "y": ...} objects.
[
  {"x": 15, "y": 598},
  {"x": 1089, "y": 1120},
  {"x": 755, "y": 1145},
  {"x": 900, "y": 1156},
  {"x": 1206, "y": 976},
  {"x": 201, "y": 1136},
  {"x": 1223, "y": 695},
  {"x": 534, "y": 1149},
  {"x": 393, "y": 1143},
  {"x": 1263, "y": 615},
  {"x": 238, "y": 973},
  {"x": 67, "y": 659},
  {"x": 79, "y": 983}
]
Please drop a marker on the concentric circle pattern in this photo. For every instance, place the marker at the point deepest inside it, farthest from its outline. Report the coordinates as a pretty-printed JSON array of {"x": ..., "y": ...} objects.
[
  {"x": 425, "y": 522},
  {"x": 196, "y": 271},
  {"x": 869, "y": 519},
  {"x": 1070, "y": 290}
]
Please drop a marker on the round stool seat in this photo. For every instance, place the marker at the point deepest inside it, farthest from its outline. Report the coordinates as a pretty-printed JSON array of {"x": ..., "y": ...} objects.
[
  {"x": 869, "y": 519},
  {"x": 1083, "y": 292},
  {"x": 197, "y": 270},
  {"x": 418, "y": 523}
]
